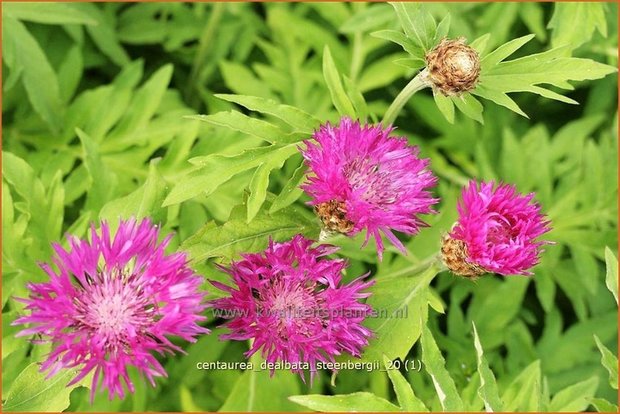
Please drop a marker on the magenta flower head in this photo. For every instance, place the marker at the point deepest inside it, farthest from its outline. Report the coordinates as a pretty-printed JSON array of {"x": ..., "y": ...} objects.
[
  {"x": 112, "y": 303},
  {"x": 363, "y": 178},
  {"x": 496, "y": 231},
  {"x": 290, "y": 301}
]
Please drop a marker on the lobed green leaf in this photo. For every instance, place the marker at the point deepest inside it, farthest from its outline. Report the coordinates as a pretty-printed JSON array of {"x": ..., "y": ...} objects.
[
  {"x": 434, "y": 364},
  {"x": 359, "y": 401}
]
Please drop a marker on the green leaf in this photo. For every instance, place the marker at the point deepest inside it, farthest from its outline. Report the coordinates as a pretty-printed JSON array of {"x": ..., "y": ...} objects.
[
  {"x": 417, "y": 23},
  {"x": 574, "y": 398},
  {"x": 70, "y": 73},
  {"x": 499, "y": 98},
  {"x": 399, "y": 38},
  {"x": 256, "y": 390},
  {"x": 533, "y": 16},
  {"x": 384, "y": 71},
  {"x": 107, "y": 105},
  {"x": 488, "y": 390},
  {"x": 8, "y": 220},
  {"x": 104, "y": 34},
  {"x": 469, "y": 105},
  {"x": 500, "y": 77},
  {"x": 520, "y": 74},
  {"x": 609, "y": 361},
  {"x": 373, "y": 16},
  {"x": 214, "y": 170},
  {"x": 144, "y": 202},
  {"x": 611, "y": 278},
  {"x": 603, "y": 406},
  {"x": 435, "y": 366},
  {"x": 48, "y": 13},
  {"x": 480, "y": 44},
  {"x": 10, "y": 343},
  {"x": 404, "y": 394},
  {"x": 291, "y": 191},
  {"x": 401, "y": 307},
  {"x": 503, "y": 51},
  {"x": 55, "y": 206},
  {"x": 241, "y": 80},
  {"x": 332, "y": 78},
  {"x": 356, "y": 98},
  {"x": 495, "y": 313},
  {"x": 187, "y": 402},
  {"x": 256, "y": 127},
  {"x": 435, "y": 302},
  {"x": 237, "y": 236},
  {"x": 523, "y": 394},
  {"x": 445, "y": 105},
  {"x": 259, "y": 184},
  {"x": 310, "y": 33},
  {"x": 31, "y": 391},
  {"x": 359, "y": 401},
  {"x": 442, "y": 29},
  {"x": 23, "y": 53},
  {"x": 143, "y": 107},
  {"x": 300, "y": 121},
  {"x": 574, "y": 24},
  {"x": 21, "y": 176},
  {"x": 103, "y": 181},
  {"x": 41, "y": 209}
]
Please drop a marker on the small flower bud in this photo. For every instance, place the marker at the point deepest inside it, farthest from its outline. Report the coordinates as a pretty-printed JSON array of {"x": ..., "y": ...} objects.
[
  {"x": 453, "y": 67},
  {"x": 455, "y": 257}
]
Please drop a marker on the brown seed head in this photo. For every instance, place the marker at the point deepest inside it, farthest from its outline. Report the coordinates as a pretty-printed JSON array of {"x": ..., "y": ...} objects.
[
  {"x": 453, "y": 67},
  {"x": 454, "y": 255},
  {"x": 333, "y": 214}
]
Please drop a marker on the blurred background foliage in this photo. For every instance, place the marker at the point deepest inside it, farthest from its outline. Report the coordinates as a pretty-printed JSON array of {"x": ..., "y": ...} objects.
[{"x": 100, "y": 105}]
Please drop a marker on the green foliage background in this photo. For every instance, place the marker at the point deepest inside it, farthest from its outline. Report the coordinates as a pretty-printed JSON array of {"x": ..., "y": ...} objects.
[{"x": 105, "y": 104}]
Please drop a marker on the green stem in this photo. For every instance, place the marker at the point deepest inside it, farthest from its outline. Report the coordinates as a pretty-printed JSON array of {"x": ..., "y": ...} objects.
[
  {"x": 417, "y": 83},
  {"x": 204, "y": 44},
  {"x": 434, "y": 260}
]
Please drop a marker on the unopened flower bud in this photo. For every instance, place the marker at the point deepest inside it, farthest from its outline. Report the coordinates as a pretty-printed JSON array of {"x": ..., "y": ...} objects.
[{"x": 453, "y": 67}]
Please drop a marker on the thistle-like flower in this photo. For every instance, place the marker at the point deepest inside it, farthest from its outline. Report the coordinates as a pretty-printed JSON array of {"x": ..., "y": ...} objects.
[
  {"x": 112, "y": 303},
  {"x": 453, "y": 67},
  {"x": 363, "y": 178},
  {"x": 290, "y": 301},
  {"x": 496, "y": 231}
]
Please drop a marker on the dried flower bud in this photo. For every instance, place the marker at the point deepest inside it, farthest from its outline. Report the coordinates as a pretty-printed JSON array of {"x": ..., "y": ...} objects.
[
  {"x": 453, "y": 67},
  {"x": 455, "y": 257},
  {"x": 333, "y": 216}
]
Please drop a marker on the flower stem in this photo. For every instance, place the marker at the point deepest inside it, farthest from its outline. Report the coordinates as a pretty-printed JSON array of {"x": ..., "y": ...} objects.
[
  {"x": 415, "y": 269},
  {"x": 417, "y": 83}
]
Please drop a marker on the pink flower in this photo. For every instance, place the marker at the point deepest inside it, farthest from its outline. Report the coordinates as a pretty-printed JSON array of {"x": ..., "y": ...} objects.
[
  {"x": 113, "y": 302},
  {"x": 290, "y": 301},
  {"x": 363, "y": 178},
  {"x": 498, "y": 230}
]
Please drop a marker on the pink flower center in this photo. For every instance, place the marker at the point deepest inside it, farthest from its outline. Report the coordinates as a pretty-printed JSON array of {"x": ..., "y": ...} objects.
[
  {"x": 114, "y": 308},
  {"x": 111, "y": 314},
  {"x": 500, "y": 231},
  {"x": 292, "y": 306},
  {"x": 374, "y": 186}
]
